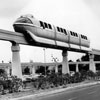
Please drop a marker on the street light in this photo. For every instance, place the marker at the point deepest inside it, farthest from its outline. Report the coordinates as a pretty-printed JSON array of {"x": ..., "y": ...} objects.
[
  {"x": 44, "y": 59},
  {"x": 55, "y": 59}
]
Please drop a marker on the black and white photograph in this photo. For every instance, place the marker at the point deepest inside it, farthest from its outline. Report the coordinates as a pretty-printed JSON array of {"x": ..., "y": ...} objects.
[{"x": 49, "y": 50}]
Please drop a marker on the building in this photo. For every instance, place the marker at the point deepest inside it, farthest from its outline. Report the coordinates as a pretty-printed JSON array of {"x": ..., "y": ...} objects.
[{"x": 31, "y": 68}]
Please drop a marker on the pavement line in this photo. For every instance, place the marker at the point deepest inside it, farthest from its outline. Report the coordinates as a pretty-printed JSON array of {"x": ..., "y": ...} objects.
[
  {"x": 72, "y": 98},
  {"x": 91, "y": 92},
  {"x": 56, "y": 91},
  {"x": 79, "y": 89}
]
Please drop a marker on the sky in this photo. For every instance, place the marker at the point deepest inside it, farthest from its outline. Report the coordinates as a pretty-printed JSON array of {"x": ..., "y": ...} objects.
[{"x": 81, "y": 16}]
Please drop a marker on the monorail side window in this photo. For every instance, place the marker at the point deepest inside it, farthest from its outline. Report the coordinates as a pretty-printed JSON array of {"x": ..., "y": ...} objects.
[
  {"x": 65, "y": 31},
  {"x": 46, "y": 25},
  {"x": 81, "y": 36},
  {"x": 41, "y": 24},
  {"x": 71, "y": 33},
  {"x": 76, "y": 35},
  {"x": 58, "y": 29},
  {"x": 86, "y": 37},
  {"x": 61, "y": 30},
  {"x": 49, "y": 26}
]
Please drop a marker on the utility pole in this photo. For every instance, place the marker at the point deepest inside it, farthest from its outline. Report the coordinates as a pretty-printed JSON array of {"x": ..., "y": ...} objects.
[
  {"x": 55, "y": 60},
  {"x": 44, "y": 59}
]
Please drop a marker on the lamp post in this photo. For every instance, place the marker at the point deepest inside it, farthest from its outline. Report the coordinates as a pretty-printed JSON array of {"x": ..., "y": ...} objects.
[
  {"x": 44, "y": 59},
  {"x": 55, "y": 60}
]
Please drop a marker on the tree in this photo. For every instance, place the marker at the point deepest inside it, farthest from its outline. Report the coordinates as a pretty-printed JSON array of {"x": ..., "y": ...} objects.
[
  {"x": 77, "y": 77},
  {"x": 85, "y": 58},
  {"x": 83, "y": 74},
  {"x": 70, "y": 61},
  {"x": 2, "y": 71},
  {"x": 27, "y": 71},
  {"x": 96, "y": 57},
  {"x": 78, "y": 60},
  {"x": 90, "y": 74},
  {"x": 41, "y": 69},
  {"x": 98, "y": 73}
]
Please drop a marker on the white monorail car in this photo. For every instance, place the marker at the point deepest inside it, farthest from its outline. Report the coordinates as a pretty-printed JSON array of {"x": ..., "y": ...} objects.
[{"x": 45, "y": 33}]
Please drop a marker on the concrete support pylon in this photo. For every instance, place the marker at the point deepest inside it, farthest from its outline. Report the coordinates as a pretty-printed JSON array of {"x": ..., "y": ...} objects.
[
  {"x": 56, "y": 69},
  {"x": 92, "y": 66},
  {"x": 16, "y": 65},
  {"x": 65, "y": 65},
  {"x": 8, "y": 71},
  {"x": 77, "y": 69},
  {"x": 33, "y": 70}
]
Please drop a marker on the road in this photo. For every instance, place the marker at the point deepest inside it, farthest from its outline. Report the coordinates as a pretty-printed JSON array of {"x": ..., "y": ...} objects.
[{"x": 82, "y": 93}]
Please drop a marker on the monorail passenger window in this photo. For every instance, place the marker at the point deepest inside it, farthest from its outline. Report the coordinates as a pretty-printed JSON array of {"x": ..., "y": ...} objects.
[
  {"x": 81, "y": 36},
  {"x": 84, "y": 37},
  {"x": 76, "y": 35},
  {"x": 41, "y": 24},
  {"x": 61, "y": 30},
  {"x": 46, "y": 25},
  {"x": 49, "y": 26},
  {"x": 65, "y": 31},
  {"x": 58, "y": 29},
  {"x": 71, "y": 33}
]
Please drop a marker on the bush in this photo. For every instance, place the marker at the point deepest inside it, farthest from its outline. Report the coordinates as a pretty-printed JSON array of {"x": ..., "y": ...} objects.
[
  {"x": 12, "y": 84},
  {"x": 90, "y": 74}
]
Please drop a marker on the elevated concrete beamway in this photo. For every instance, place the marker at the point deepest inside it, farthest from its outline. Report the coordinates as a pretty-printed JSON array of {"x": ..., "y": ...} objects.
[
  {"x": 13, "y": 37},
  {"x": 95, "y": 52},
  {"x": 20, "y": 38}
]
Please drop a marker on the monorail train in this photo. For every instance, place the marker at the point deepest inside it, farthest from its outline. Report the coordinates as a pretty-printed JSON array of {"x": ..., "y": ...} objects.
[{"x": 45, "y": 33}]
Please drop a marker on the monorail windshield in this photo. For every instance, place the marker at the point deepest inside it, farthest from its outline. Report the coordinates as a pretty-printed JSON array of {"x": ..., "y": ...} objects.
[{"x": 24, "y": 20}]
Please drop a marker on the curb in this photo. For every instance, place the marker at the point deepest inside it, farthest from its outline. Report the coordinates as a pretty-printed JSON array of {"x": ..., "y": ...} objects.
[{"x": 55, "y": 91}]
